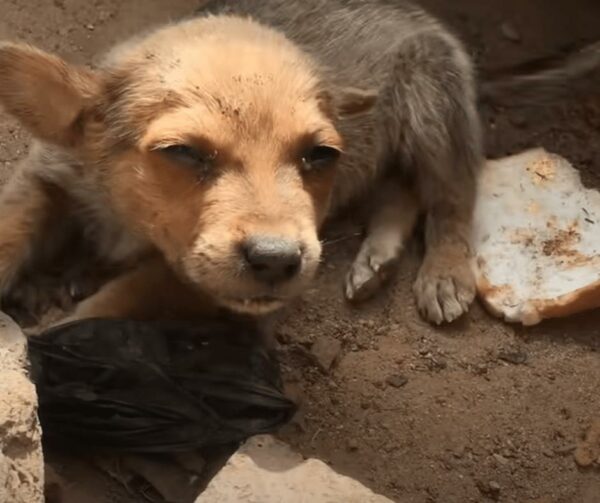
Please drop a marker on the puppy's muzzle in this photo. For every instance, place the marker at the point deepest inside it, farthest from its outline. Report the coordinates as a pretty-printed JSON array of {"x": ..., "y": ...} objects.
[{"x": 272, "y": 260}]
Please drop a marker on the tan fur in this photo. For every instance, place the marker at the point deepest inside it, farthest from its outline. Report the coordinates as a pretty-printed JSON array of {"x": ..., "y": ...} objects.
[
  {"x": 251, "y": 97},
  {"x": 30, "y": 78},
  {"x": 151, "y": 291},
  {"x": 247, "y": 100},
  {"x": 248, "y": 92}
]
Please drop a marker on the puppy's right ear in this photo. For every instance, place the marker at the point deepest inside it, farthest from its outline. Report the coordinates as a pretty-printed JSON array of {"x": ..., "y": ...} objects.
[
  {"x": 347, "y": 101},
  {"x": 46, "y": 94},
  {"x": 351, "y": 101}
]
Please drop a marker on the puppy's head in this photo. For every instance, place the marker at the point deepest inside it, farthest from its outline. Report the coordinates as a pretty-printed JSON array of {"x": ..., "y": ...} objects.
[{"x": 215, "y": 139}]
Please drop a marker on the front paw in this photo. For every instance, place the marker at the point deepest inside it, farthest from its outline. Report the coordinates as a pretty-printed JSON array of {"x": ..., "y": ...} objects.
[
  {"x": 34, "y": 295},
  {"x": 28, "y": 300},
  {"x": 445, "y": 288},
  {"x": 371, "y": 269}
]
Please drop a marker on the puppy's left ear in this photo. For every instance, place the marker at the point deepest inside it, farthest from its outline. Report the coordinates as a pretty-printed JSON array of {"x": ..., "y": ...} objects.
[
  {"x": 46, "y": 94},
  {"x": 347, "y": 101}
]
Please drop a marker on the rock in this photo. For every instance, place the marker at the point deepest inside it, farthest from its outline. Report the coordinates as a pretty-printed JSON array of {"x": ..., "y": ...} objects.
[
  {"x": 494, "y": 486},
  {"x": 588, "y": 450},
  {"x": 480, "y": 369},
  {"x": 352, "y": 445},
  {"x": 514, "y": 357},
  {"x": 21, "y": 461},
  {"x": 535, "y": 238},
  {"x": 379, "y": 384},
  {"x": 285, "y": 335},
  {"x": 500, "y": 459},
  {"x": 436, "y": 364},
  {"x": 396, "y": 380},
  {"x": 549, "y": 453},
  {"x": 326, "y": 350},
  {"x": 490, "y": 489},
  {"x": 510, "y": 32},
  {"x": 267, "y": 471}
]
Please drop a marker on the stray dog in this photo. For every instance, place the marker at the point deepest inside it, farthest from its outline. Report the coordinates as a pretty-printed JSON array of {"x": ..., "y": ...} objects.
[{"x": 205, "y": 156}]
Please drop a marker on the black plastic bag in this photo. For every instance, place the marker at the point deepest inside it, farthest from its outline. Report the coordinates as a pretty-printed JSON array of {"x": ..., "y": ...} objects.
[{"x": 133, "y": 386}]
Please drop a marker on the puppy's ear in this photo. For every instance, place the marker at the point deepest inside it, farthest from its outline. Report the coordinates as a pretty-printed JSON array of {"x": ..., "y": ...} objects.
[
  {"x": 47, "y": 95},
  {"x": 347, "y": 101}
]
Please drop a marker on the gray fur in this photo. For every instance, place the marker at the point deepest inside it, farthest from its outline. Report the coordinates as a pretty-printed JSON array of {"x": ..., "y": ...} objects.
[
  {"x": 425, "y": 125},
  {"x": 424, "y": 130}
]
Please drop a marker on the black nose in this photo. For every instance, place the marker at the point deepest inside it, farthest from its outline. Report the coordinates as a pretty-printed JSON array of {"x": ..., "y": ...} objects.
[{"x": 272, "y": 259}]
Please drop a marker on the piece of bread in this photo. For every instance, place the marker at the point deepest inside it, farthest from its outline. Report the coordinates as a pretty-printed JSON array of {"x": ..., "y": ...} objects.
[{"x": 536, "y": 238}]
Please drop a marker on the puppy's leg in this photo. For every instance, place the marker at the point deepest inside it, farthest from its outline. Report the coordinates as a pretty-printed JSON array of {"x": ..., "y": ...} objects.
[
  {"x": 445, "y": 285},
  {"x": 436, "y": 132},
  {"x": 391, "y": 224},
  {"x": 26, "y": 206},
  {"x": 150, "y": 291}
]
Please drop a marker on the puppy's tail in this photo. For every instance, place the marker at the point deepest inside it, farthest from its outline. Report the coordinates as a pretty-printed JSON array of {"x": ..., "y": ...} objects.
[{"x": 545, "y": 80}]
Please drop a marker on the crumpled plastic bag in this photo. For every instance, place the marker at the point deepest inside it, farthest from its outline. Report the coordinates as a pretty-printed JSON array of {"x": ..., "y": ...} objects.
[{"x": 132, "y": 386}]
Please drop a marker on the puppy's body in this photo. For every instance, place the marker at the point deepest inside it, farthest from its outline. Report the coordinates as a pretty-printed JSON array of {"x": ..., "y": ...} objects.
[
  {"x": 263, "y": 107},
  {"x": 423, "y": 132},
  {"x": 421, "y": 74}
]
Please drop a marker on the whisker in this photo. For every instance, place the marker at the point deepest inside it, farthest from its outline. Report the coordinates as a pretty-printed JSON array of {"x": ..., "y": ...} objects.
[{"x": 341, "y": 239}]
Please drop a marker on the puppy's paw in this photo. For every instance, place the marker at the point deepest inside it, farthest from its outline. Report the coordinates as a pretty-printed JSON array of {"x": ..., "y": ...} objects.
[
  {"x": 372, "y": 268},
  {"x": 28, "y": 300},
  {"x": 34, "y": 295},
  {"x": 444, "y": 289}
]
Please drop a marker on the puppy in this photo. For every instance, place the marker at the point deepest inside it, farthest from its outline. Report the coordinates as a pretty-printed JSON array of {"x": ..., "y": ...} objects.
[{"x": 206, "y": 155}]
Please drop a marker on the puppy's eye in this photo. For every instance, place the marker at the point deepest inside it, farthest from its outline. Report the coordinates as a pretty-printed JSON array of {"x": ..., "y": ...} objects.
[
  {"x": 320, "y": 157},
  {"x": 188, "y": 155}
]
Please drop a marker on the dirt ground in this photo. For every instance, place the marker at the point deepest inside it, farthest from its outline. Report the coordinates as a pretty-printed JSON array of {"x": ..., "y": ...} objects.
[{"x": 476, "y": 411}]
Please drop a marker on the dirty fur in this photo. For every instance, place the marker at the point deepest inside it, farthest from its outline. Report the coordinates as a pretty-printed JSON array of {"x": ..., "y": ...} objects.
[{"x": 191, "y": 139}]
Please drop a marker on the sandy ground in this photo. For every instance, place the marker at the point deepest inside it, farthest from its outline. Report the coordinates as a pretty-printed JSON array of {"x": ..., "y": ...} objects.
[{"x": 477, "y": 411}]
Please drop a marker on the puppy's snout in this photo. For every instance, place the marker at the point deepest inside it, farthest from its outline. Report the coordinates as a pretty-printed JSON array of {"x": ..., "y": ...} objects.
[{"x": 272, "y": 259}]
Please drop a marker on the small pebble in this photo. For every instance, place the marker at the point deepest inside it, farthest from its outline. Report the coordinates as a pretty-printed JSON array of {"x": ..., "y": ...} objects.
[
  {"x": 326, "y": 350},
  {"x": 514, "y": 357},
  {"x": 494, "y": 486},
  {"x": 284, "y": 335},
  {"x": 481, "y": 369},
  {"x": 501, "y": 460},
  {"x": 379, "y": 384},
  {"x": 490, "y": 489},
  {"x": 352, "y": 445},
  {"x": 397, "y": 380}
]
